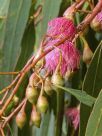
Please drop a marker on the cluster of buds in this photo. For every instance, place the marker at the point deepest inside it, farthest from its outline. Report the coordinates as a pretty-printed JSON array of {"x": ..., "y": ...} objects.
[
  {"x": 96, "y": 23},
  {"x": 87, "y": 53},
  {"x": 58, "y": 63},
  {"x": 37, "y": 99}
]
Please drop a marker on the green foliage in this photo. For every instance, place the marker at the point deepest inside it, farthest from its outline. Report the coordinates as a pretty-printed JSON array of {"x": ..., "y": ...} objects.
[
  {"x": 50, "y": 9},
  {"x": 82, "y": 96},
  {"x": 92, "y": 85},
  {"x": 94, "y": 126},
  {"x": 12, "y": 30}
]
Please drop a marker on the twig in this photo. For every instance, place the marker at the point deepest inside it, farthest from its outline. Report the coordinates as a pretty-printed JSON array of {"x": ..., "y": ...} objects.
[
  {"x": 9, "y": 73},
  {"x": 17, "y": 77},
  {"x": 84, "y": 11},
  {"x": 14, "y": 112},
  {"x": 91, "y": 5},
  {"x": 89, "y": 17},
  {"x": 80, "y": 4},
  {"x": 2, "y": 132},
  {"x": 38, "y": 11},
  {"x": 25, "y": 70},
  {"x": 3, "y": 99},
  {"x": 10, "y": 86},
  {"x": 73, "y": 8}
]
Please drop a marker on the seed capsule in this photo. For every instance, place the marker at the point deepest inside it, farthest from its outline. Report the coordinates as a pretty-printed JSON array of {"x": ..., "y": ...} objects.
[
  {"x": 57, "y": 79},
  {"x": 69, "y": 13},
  {"x": 87, "y": 54},
  {"x": 21, "y": 119},
  {"x": 33, "y": 80},
  {"x": 42, "y": 104},
  {"x": 36, "y": 118},
  {"x": 48, "y": 87},
  {"x": 96, "y": 23},
  {"x": 15, "y": 100},
  {"x": 41, "y": 61},
  {"x": 31, "y": 94},
  {"x": 69, "y": 74}
]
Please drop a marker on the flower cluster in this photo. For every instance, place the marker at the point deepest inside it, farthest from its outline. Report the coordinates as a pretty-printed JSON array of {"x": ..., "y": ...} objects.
[
  {"x": 73, "y": 116},
  {"x": 59, "y": 28}
]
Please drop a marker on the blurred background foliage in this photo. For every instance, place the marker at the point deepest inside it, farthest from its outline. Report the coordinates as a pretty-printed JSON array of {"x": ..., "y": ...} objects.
[{"x": 21, "y": 32}]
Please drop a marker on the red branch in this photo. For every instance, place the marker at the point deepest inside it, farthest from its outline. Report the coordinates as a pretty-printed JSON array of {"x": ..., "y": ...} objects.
[
  {"x": 90, "y": 17},
  {"x": 27, "y": 70},
  {"x": 13, "y": 113}
]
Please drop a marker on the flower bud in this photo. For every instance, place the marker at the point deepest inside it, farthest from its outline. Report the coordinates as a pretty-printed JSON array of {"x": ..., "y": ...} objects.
[
  {"x": 57, "y": 79},
  {"x": 96, "y": 23},
  {"x": 31, "y": 94},
  {"x": 41, "y": 61},
  {"x": 33, "y": 80},
  {"x": 42, "y": 104},
  {"x": 69, "y": 13},
  {"x": 15, "y": 100},
  {"x": 36, "y": 118},
  {"x": 87, "y": 54},
  {"x": 69, "y": 74},
  {"x": 48, "y": 87},
  {"x": 21, "y": 119}
]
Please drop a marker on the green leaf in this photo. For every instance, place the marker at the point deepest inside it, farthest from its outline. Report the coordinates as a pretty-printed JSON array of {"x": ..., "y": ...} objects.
[
  {"x": 82, "y": 96},
  {"x": 92, "y": 85},
  {"x": 4, "y": 5},
  {"x": 48, "y": 13},
  {"x": 10, "y": 129},
  {"x": 94, "y": 126},
  {"x": 13, "y": 30},
  {"x": 27, "y": 47}
]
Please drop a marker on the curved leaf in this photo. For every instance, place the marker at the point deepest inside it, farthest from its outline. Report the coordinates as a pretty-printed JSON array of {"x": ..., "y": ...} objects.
[
  {"x": 94, "y": 126},
  {"x": 50, "y": 9},
  {"x": 82, "y": 96},
  {"x": 92, "y": 85},
  {"x": 15, "y": 22}
]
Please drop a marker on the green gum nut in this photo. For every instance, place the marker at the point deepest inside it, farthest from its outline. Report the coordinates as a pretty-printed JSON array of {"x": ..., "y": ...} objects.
[
  {"x": 21, "y": 119},
  {"x": 33, "y": 80},
  {"x": 42, "y": 104},
  {"x": 31, "y": 94},
  {"x": 57, "y": 79},
  {"x": 87, "y": 54},
  {"x": 48, "y": 86},
  {"x": 36, "y": 118},
  {"x": 15, "y": 100},
  {"x": 96, "y": 25}
]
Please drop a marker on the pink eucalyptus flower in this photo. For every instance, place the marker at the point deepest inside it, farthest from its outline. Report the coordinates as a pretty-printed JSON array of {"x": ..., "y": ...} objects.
[
  {"x": 70, "y": 58},
  {"x": 59, "y": 28},
  {"x": 73, "y": 116},
  {"x": 99, "y": 16},
  {"x": 96, "y": 23}
]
